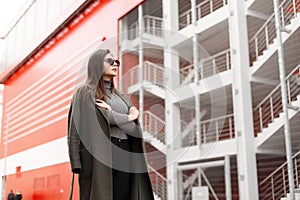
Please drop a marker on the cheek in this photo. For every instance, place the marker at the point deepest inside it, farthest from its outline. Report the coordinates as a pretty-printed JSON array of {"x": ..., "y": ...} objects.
[{"x": 106, "y": 69}]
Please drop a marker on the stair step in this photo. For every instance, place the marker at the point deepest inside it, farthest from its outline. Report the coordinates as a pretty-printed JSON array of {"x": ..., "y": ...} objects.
[
  {"x": 156, "y": 197},
  {"x": 154, "y": 142},
  {"x": 288, "y": 197}
]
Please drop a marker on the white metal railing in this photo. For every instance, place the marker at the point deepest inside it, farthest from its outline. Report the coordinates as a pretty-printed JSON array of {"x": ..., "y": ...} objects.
[
  {"x": 203, "y": 9},
  {"x": 266, "y": 34},
  {"x": 152, "y": 25},
  {"x": 159, "y": 183},
  {"x": 215, "y": 129},
  {"x": 275, "y": 186},
  {"x": 187, "y": 74},
  {"x": 208, "y": 66},
  {"x": 212, "y": 130},
  {"x": 154, "y": 125},
  {"x": 270, "y": 107},
  {"x": 151, "y": 72}
]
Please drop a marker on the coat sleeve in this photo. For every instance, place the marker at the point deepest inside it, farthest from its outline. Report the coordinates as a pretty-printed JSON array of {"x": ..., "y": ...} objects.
[
  {"x": 73, "y": 144},
  {"x": 133, "y": 127}
]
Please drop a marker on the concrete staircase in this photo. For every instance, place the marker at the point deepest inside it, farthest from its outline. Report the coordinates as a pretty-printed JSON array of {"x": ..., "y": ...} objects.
[
  {"x": 276, "y": 124},
  {"x": 288, "y": 196}
]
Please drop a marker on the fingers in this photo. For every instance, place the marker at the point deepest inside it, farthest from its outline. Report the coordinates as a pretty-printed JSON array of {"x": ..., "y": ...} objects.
[
  {"x": 101, "y": 104},
  {"x": 134, "y": 113},
  {"x": 133, "y": 107}
]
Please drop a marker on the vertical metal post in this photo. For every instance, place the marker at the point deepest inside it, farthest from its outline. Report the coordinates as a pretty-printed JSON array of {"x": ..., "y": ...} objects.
[
  {"x": 287, "y": 136},
  {"x": 199, "y": 176},
  {"x": 180, "y": 194},
  {"x": 272, "y": 109},
  {"x": 122, "y": 36},
  {"x": 273, "y": 191},
  {"x": 141, "y": 60},
  {"x": 196, "y": 74},
  {"x": 296, "y": 170},
  {"x": 227, "y": 178},
  {"x": 295, "y": 8},
  {"x": 121, "y": 72},
  {"x": 195, "y": 41},
  {"x": 260, "y": 119}
]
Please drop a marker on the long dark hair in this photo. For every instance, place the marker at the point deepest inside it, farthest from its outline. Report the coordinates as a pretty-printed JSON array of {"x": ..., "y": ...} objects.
[{"x": 95, "y": 73}]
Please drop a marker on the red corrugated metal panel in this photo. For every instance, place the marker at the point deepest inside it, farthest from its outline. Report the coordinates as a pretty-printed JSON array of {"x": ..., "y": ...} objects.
[{"x": 37, "y": 97}]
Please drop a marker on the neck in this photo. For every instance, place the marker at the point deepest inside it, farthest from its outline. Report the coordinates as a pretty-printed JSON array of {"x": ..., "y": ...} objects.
[
  {"x": 107, "y": 84},
  {"x": 107, "y": 78}
]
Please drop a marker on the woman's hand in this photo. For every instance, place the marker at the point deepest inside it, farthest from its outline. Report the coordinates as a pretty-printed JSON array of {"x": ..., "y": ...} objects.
[
  {"x": 102, "y": 104},
  {"x": 133, "y": 113}
]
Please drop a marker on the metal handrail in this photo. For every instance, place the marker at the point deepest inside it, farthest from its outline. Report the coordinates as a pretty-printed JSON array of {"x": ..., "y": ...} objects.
[
  {"x": 212, "y": 65},
  {"x": 226, "y": 133},
  {"x": 201, "y": 11},
  {"x": 188, "y": 12},
  {"x": 154, "y": 124},
  {"x": 157, "y": 173},
  {"x": 151, "y": 24},
  {"x": 154, "y": 116},
  {"x": 216, "y": 118},
  {"x": 151, "y": 72},
  {"x": 278, "y": 181},
  {"x": 160, "y": 185},
  {"x": 186, "y": 68},
  {"x": 155, "y": 73},
  {"x": 267, "y": 32},
  {"x": 277, "y": 87},
  {"x": 135, "y": 24},
  {"x": 269, "y": 108},
  {"x": 217, "y": 134},
  {"x": 276, "y": 170}
]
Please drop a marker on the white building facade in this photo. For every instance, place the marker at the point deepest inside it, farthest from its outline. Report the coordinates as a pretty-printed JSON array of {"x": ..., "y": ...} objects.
[{"x": 224, "y": 126}]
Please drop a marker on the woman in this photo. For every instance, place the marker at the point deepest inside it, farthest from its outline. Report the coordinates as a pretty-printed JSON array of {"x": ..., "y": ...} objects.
[{"x": 105, "y": 140}]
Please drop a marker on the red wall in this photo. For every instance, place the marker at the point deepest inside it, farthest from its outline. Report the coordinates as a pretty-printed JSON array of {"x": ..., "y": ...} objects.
[
  {"x": 49, "y": 183},
  {"x": 103, "y": 22}
]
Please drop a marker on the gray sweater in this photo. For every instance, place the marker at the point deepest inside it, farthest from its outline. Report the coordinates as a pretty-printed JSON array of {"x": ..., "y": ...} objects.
[{"x": 120, "y": 125}]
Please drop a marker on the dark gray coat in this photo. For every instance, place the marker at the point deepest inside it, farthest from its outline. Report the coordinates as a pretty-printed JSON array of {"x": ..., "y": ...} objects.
[{"x": 90, "y": 154}]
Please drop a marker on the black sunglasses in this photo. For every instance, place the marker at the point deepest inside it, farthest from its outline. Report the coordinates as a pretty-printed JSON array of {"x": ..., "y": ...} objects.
[{"x": 112, "y": 61}]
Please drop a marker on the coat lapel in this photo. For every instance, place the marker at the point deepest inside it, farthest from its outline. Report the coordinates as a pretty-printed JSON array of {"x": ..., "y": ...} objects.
[{"x": 127, "y": 101}]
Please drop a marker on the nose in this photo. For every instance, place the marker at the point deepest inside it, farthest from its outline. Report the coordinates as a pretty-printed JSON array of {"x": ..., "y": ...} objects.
[{"x": 116, "y": 64}]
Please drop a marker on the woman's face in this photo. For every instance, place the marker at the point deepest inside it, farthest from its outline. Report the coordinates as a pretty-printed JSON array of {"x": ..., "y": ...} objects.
[{"x": 111, "y": 67}]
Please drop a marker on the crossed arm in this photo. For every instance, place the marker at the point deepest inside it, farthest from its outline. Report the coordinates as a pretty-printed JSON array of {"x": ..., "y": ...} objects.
[{"x": 124, "y": 121}]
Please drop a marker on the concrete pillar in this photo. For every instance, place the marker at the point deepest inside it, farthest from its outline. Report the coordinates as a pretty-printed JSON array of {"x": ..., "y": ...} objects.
[{"x": 242, "y": 103}]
